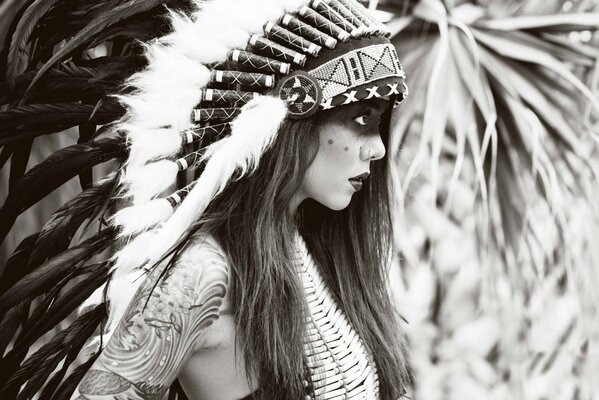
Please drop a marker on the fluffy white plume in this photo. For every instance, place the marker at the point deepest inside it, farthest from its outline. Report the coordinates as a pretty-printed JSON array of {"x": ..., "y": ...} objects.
[
  {"x": 252, "y": 132},
  {"x": 121, "y": 288},
  {"x": 165, "y": 92},
  {"x": 151, "y": 143},
  {"x": 159, "y": 107},
  {"x": 145, "y": 182},
  {"x": 141, "y": 217}
]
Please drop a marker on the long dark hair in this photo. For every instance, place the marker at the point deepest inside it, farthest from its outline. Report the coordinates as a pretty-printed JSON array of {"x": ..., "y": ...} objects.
[{"x": 252, "y": 221}]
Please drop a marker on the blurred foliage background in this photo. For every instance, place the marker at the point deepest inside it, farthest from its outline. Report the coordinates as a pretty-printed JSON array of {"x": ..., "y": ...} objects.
[
  {"x": 496, "y": 149},
  {"x": 497, "y": 156}
]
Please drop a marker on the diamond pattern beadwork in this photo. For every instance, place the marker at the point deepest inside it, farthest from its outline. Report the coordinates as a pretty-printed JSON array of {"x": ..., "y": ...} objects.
[{"x": 356, "y": 68}]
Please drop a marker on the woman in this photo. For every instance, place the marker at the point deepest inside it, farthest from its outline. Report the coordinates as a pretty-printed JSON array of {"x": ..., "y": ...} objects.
[{"x": 268, "y": 279}]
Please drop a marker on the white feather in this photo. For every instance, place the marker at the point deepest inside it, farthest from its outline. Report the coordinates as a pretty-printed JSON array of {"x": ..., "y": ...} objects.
[
  {"x": 147, "y": 144},
  {"x": 147, "y": 181},
  {"x": 166, "y": 92},
  {"x": 121, "y": 289},
  {"x": 93, "y": 300},
  {"x": 207, "y": 40},
  {"x": 164, "y": 95},
  {"x": 141, "y": 217},
  {"x": 252, "y": 132}
]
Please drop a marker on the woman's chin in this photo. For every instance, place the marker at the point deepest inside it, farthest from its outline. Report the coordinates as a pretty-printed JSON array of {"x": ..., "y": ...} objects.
[{"x": 338, "y": 203}]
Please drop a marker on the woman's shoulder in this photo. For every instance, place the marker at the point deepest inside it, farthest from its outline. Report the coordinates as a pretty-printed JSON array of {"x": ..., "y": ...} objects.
[
  {"x": 198, "y": 284},
  {"x": 204, "y": 264},
  {"x": 202, "y": 248}
]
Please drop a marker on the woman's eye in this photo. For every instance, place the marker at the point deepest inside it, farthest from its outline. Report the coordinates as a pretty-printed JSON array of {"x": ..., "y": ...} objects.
[{"x": 361, "y": 120}]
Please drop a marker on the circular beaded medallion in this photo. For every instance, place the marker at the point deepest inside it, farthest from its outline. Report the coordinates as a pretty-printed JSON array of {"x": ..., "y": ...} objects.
[{"x": 302, "y": 94}]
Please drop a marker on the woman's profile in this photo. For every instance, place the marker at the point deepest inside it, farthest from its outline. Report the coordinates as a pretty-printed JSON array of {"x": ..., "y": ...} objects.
[{"x": 256, "y": 235}]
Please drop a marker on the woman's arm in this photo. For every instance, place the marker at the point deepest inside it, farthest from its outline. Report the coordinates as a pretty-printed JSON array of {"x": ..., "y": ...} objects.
[{"x": 154, "y": 340}]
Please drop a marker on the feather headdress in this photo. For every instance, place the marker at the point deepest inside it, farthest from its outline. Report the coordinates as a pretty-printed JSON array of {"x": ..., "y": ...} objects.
[
  {"x": 209, "y": 96},
  {"x": 239, "y": 68}
]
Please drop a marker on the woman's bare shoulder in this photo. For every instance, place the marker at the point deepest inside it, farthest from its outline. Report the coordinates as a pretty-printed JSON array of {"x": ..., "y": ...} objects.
[
  {"x": 201, "y": 249},
  {"x": 169, "y": 318}
]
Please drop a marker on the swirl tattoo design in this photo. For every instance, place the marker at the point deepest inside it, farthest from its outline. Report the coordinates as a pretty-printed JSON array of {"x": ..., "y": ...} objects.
[{"x": 161, "y": 328}]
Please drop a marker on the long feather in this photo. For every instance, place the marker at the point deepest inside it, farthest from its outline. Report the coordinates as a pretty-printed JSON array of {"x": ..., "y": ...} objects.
[
  {"x": 57, "y": 169},
  {"x": 56, "y": 234},
  {"x": 41, "y": 363},
  {"x": 19, "y": 257},
  {"x": 37, "y": 119},
  {"x": 53, "y": 270},
  {"x": 252, "y": 133},
  {"x": 9, "y": 325},
  {"x": 70, "y": 79},
  {"x": 19, "y": 160},
  {"x": 63, "y": 224},
  {"x": 17, "y": 54},
  {"x": 63, "y": 306},
  {"x": 59, "y": 86},
  {"x": 6, "y": 154},
  {"x": 86, "y": 132},
  {"x": 67, "y": 388},
  {"x": 107, "y": 18}
]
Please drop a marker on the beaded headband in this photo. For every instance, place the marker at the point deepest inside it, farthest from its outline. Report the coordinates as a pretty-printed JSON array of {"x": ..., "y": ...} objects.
[{"x": 327, "y": 54}]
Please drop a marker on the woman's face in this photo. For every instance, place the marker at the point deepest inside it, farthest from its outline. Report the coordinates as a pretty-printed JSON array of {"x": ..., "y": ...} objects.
[{"x": 349, "y": 140}]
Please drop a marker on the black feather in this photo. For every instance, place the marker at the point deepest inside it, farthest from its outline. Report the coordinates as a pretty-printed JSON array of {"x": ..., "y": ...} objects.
[
  {"x": 86, "y": 133},
  {"x": 18, "y": 52},
  {"x": 18, "y": 352},
  {"x": 53, "y": 172},
  {"x": 63, "y": 305},
  {"x": 40, "y": 119},
  {"x": 40, "y": 364},
  {"x": 6, "y": 154},
  {"x": 107, "y": 17},
  {"x": 69, "y": 385},
  {"x": 56, "y": 268},
  {"x": 59, "y": 87},
  {"x": 18, "y": 259},
  {"x": 57, "y": 233},
  {"x": 10, "y": 323},
  {"x": 19, "y": 160}
]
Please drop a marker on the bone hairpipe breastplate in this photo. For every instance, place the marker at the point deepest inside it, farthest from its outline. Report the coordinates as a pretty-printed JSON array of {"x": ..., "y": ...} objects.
[{"x": 338, "y": 363}]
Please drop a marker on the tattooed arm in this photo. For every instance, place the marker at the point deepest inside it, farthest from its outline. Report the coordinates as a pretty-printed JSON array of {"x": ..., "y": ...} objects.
[{"x": 151, "y": 345}]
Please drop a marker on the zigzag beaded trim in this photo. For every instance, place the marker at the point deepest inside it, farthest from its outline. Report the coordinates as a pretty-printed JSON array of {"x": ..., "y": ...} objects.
[{"x": 339, "y": 365}]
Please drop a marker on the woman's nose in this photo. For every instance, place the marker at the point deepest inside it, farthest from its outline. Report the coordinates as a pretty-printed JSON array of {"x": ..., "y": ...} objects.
[{"x": 372, "y": 149}]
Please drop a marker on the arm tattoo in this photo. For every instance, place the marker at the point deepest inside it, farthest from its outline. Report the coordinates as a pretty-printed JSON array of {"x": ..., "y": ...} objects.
[{"x": 153, "y": 341}]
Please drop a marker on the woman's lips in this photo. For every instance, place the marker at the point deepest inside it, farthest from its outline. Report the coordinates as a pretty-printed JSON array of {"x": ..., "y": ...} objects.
[{"x": 356, "y": 183}]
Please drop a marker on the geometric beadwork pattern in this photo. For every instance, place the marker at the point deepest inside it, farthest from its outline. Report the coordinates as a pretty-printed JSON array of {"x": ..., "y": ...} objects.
[
  {"x": 340, "y": 366},
  {"x": 284, "y": 49},
  {"x": 301, "y": 93},
  {"x": 356, "y": 68}
]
